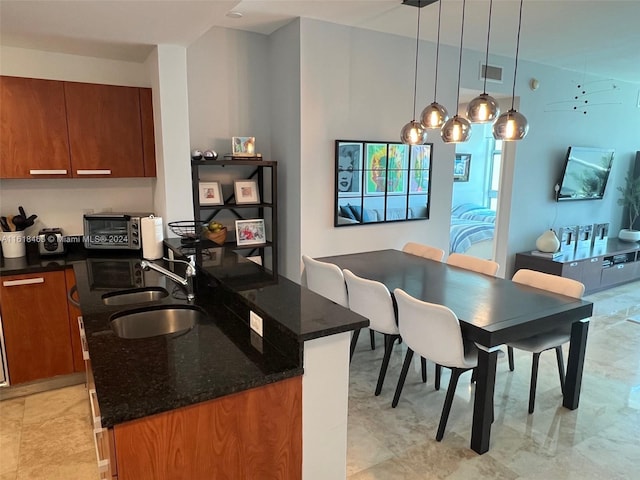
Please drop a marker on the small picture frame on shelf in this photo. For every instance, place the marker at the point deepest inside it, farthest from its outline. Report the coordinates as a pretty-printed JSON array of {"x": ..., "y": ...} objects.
[
  {"x": 250, "y": 232},
  {"x": 210, "y": 193},
  {"x": 246, "y": 192},
  {"x": 243, "y": 146}
]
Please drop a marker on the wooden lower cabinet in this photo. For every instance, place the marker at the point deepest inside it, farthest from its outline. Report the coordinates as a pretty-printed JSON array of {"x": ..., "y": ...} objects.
[
  {"x": 35, "y": 318},
  {"x": 255, "y": 434}
]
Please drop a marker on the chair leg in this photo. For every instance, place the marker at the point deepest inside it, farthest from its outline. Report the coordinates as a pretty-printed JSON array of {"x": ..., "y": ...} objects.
[
  {"x": 423, "y": 365},
  {"x": 388, "y": 347},
  {"x": 455, "y": 374},
  {"x": 354, "y": 341},
  {"x": 560, "y": 359},
  {"x": 534, "y": 381},
  {"x": 438, "y": 375},
  {"x": 403, "y": 376},
  {"x": 372, "y": 337},
  {"x": 510, "y": 355}
]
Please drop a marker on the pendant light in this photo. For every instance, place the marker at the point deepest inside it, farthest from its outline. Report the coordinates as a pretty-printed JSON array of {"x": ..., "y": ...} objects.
[
  {"x": 434, "y": 115},
  {"x": 512, "y": 125},
  {"x": 413, "y": 133},
  {"x": 484, "y": 108},
  {"x": 457, "y": 129}
]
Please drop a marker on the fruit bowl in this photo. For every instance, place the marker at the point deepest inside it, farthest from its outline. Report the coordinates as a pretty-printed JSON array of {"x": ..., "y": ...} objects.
[{"x": 218, "y": 237}]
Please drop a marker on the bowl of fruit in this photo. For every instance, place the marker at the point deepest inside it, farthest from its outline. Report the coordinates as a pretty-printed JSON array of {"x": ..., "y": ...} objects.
[{"x": 216, "y": 232}]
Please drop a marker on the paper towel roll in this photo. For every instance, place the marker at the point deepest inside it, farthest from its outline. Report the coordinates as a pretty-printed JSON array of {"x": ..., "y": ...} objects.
[{"x": 151, "y": 229}]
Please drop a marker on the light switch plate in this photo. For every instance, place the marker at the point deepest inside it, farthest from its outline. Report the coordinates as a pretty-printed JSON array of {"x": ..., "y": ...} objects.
[{"x": 255, "y": 322}]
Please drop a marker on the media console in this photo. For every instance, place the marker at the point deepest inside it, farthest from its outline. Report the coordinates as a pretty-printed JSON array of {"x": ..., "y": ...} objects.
[{"x": 598, "y": 267}]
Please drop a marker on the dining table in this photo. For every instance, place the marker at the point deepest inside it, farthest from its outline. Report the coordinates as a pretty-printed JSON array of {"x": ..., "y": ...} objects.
[{"x": 492, "y": 311}]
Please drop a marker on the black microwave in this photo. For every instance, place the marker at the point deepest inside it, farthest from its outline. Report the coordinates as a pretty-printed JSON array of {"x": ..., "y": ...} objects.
[{"x": 113, "y": 231}]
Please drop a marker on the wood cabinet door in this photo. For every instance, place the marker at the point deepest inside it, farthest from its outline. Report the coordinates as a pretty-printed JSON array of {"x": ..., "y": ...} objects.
[
  {"x": 33, "y": 129},
  {"x": 74, "y": 328},
  {"x": 36, "y": 326},
  {"x": 105, "y": 130},
  {"x": 148, "y": 133}
]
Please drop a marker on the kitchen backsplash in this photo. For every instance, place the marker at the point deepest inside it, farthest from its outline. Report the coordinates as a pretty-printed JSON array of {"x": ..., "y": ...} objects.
[{"x": 61, "y": 203}]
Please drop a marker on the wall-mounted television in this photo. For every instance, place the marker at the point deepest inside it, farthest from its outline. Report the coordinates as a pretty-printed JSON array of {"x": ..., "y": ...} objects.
[{"x": 585, "y": 174}]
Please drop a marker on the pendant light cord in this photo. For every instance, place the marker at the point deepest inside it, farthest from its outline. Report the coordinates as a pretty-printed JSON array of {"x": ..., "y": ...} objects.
[
  {"x": 515, "y": 71},
  {"x": 415, "y": 78},
  {"x": 435, "y": 83},
  {"x": 460, "y": 60},
  {"x": 486, "y": 58}
]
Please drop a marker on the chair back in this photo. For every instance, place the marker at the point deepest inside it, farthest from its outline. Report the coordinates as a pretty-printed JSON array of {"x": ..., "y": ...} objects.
[
  {"x": 372, "y": 300},
  {"x": 430, "y": 330},
  {"x": 551, "y": 283},
  {"x": 468, "y": 262},
  {"x": 426, "y": 251},
  {"x": 326, "y": 279}
]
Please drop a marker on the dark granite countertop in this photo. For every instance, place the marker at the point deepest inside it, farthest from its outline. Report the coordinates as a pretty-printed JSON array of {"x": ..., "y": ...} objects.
[
  {"x": 139, "y": 377},
  {"x": 299, "y": 312}
]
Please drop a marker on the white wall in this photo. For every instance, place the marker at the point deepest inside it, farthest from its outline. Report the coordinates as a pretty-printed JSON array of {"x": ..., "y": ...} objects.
[
  {"x": 61, "y": 203},
  {"x": 358, "y": 85}
]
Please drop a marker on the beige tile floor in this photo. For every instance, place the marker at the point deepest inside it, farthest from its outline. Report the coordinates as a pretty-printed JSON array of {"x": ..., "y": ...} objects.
[
  {"x": 46, "y": 436},
  {"x": 599, "y": 440}
]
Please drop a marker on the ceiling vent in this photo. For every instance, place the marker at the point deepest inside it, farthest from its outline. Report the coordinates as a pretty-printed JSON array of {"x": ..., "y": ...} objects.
[{"x": 493, "y": 73}]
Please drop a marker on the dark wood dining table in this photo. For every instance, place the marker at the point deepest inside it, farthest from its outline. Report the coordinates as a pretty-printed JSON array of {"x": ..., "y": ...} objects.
[{"x": 492, "y": 311}]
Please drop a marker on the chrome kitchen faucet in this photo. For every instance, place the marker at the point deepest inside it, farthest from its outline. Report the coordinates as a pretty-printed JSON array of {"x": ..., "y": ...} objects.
[{"x": 186, "y": 282}]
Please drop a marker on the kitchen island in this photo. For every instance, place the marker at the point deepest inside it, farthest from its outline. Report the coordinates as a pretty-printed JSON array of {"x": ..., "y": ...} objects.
[{"x": 188, "y": 380}]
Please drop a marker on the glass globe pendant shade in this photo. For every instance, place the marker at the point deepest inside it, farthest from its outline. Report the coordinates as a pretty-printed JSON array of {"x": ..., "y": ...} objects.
[
  {"x": 413, "y": 133},
  {"x": 510, "y": 126},
  {"x": 456, "y": 130},
  {"x": 483, "y": 109},
  {"x": 434, "y": 116}
]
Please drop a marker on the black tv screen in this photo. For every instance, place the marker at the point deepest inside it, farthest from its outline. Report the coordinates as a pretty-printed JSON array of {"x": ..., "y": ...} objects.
[{"x": 585, "y": 174}]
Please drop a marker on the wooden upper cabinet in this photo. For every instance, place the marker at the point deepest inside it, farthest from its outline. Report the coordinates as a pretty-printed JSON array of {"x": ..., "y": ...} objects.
[
  {"x": 148, "y": 135},
  {"x": 33, "y": 129},
  {"x": 105, "y": 130}
]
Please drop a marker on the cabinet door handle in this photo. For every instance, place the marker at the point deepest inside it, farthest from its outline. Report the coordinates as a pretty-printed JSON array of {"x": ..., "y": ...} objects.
[
  {"x": 573, "y": 264},
  {"x": 103, "y": 463},
  {"x": 83, "y": 340},
  {"x": 93, "y": 172},
  {"x": 47, "y": 172},
  {"x": 620, "y": 266},
  {"x": 594, "y": 260},
  {"x": 26, "y": 281},
  {"x": 95, "y": 412}
]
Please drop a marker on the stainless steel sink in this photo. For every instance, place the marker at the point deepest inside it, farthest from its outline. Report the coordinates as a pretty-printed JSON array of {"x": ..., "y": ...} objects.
[
  {"x": 135, "y": 295},
  {"x": 156, "y": 320}
]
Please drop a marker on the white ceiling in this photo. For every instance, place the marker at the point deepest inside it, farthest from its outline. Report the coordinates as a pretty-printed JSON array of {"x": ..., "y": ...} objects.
[{"x": 601, "y": 37}]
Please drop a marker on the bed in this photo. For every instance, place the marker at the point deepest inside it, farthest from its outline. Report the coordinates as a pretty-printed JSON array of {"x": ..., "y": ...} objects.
[{"x": 472, "y": 230}]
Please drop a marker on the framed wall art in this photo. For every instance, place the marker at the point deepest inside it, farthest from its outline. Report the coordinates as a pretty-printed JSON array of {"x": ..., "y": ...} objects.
[
  {"x": 250, "y": 232},
  {"x": 210, "y": 193},
  {"x": 378, "y": 182},
  {"x": 461, "y": 167},
  {"x": 246, "y": 191}
]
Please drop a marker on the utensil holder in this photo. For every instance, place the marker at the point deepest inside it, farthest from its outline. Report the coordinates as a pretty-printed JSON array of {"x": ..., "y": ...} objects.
[{"x": 13, "y": 244}]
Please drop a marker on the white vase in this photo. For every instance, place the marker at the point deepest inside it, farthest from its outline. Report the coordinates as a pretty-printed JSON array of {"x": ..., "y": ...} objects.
[
  {"x": 548, "y": 242},
  {"x": 627, "y": 235}
]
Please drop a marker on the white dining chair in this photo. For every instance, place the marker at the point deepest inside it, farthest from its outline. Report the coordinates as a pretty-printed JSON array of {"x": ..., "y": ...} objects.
[
  {"x": 476, "y": 264},
  {"x": 326, "y": 279},
  {"x": 372, "y": 300},
  {"x": 433, "y": 331},
  {"x": 549, "y": 340},
  {"x": 426, "y": 251}
]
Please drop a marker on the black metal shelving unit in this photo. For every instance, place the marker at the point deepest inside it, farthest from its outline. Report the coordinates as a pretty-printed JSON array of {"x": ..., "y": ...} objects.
[{"x": 266, "y": 174}]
